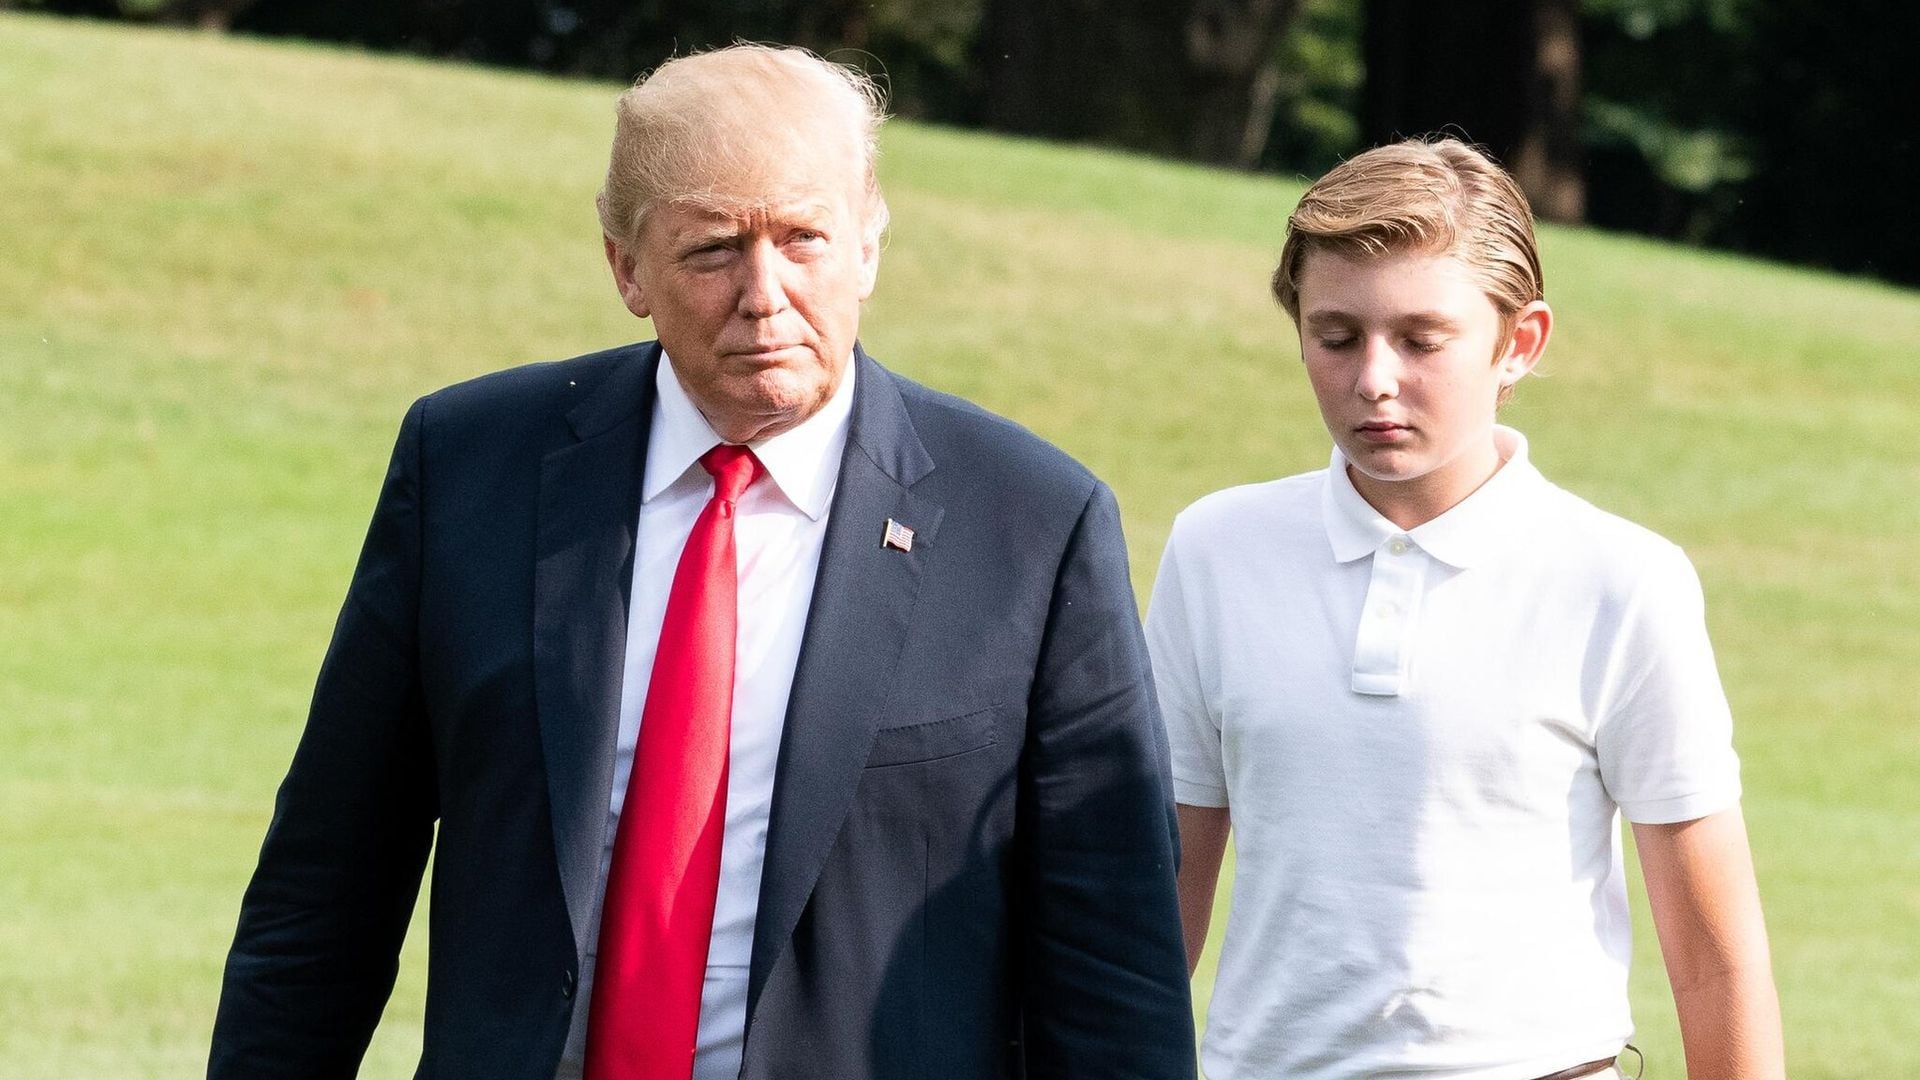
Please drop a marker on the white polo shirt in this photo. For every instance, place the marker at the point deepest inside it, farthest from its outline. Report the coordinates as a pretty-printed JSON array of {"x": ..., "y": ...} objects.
[{"x": 1425, "y": 737}]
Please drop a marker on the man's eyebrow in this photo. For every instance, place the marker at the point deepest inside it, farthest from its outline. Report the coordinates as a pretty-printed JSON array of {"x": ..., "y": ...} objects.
[
  {"x": 694, "y": 236},
  {"x": 805, "y": 213}
]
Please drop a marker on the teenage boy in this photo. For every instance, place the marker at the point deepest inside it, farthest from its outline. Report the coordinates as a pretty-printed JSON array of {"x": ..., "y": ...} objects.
[{"x": 1422, "y": 684}]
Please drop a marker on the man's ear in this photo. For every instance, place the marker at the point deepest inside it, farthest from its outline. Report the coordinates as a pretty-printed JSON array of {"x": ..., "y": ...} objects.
[
  {"x": 1531, "y": 328},
  {"x": 626, "y": 277},
  {"x": 870, "y": 259}
]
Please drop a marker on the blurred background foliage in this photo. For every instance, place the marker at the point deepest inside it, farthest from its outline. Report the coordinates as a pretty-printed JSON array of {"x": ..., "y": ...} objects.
[{"x": 1776, "y": 127}]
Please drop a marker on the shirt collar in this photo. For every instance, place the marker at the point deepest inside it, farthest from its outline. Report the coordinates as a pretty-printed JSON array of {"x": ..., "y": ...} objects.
[
  {"x": 803, "y": 461},
  {"x": 1466, "y": 534},
  {"x": 1354, "y": 527}
]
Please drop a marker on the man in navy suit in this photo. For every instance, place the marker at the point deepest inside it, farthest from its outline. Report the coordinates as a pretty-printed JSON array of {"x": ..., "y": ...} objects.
[{"x": 923, "y": 830}]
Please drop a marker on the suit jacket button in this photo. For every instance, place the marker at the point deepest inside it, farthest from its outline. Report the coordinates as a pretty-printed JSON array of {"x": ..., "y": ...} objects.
[{"x": 567, "y": 981}]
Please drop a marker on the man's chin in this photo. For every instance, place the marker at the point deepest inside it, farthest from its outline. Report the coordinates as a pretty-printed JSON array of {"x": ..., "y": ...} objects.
[
  {"x": 790, "y": 356},
  {"x": 771, "y": 402}
]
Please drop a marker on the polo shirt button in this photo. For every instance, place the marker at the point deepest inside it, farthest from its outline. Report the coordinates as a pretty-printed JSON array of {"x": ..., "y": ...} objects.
[
  {"x": 1398, "y": 545},
  {"x": 567, "y": 983}
]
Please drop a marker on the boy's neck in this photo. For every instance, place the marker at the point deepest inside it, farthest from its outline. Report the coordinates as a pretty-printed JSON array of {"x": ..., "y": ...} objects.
[{"x": 1409, "y": 504}]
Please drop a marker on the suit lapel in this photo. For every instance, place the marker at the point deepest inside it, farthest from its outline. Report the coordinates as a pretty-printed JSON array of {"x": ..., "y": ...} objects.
[
  {"x": 583, "y": 571},
  {"x": 863, "y": 602}
]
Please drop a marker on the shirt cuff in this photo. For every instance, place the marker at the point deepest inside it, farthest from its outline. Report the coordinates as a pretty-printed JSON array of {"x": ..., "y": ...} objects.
[
  {"x": 1197, "y": 794},
  {"x": 1676, "y": 809}
]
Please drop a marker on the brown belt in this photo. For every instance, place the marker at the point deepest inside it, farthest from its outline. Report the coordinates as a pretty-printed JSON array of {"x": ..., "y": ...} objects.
[{"x": 1577, "y": 1071}]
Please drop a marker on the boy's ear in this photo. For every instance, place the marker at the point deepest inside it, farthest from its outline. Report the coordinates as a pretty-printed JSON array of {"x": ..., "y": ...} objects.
[{"x": 1531, "y": 328}]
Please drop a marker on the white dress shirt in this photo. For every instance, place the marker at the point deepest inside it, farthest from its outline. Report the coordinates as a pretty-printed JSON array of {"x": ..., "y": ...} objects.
[
  {"x": 778, "y": 532},
  {"x": 1426, "y": 738}
]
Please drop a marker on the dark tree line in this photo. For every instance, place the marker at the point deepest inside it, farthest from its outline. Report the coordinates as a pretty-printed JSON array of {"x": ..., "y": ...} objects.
[
  {"x": 1503, "y": 74},
  {"x": 1787, "y": 128},
  {"x": 1188, "y": 78},
  {"x": 1783, "y": 127}
]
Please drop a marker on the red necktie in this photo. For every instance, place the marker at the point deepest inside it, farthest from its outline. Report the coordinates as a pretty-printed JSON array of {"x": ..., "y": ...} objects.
[{"x": 658, "y": 916}]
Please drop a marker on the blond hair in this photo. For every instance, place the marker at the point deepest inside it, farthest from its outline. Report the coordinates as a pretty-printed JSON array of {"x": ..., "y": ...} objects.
[
  {"x": 737, "y": 130},
  {"x": 1420, "y": 196}
]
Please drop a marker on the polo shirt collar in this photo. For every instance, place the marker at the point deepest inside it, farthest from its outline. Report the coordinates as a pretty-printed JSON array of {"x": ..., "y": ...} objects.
[
  {"x": 803, "y": 461},
  {"x": 1467, "y": 534},
  {"x": 1354, "y": 528}
]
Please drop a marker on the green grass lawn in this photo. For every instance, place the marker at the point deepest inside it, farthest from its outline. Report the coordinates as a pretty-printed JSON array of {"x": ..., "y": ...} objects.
[{"x": 227, "y": 267}]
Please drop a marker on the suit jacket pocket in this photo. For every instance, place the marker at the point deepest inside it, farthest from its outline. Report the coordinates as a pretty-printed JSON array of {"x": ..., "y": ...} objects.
[{"x": 937, "y": 739}]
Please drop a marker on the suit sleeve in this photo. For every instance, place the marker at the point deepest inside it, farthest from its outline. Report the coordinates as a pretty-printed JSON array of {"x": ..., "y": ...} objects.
[
  {"x": 317, "y": 948},
  {"x": 1106, "y": 980}
]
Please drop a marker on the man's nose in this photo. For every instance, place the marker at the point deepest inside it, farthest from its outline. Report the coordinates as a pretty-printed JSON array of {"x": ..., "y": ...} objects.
[
  {"x": 1379, "y": 374},
  {"x": 762, "y": 293}
]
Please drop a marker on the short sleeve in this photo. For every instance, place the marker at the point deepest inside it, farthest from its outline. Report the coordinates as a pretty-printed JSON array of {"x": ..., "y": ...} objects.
[
  {"x": 1193, "y": 729},
  {"x": 1665, "y": 738}
]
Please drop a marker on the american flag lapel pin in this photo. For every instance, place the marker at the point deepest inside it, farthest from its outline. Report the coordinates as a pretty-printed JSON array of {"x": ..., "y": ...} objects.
[{"x": 898, "y": 537}]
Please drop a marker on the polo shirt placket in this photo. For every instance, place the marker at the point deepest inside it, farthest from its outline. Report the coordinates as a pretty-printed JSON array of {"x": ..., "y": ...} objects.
[{"x": 1383, "y": 648}]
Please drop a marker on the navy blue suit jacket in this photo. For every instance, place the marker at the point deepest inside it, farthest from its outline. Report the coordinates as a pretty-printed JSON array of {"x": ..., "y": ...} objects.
[{"x": 970, "y": 859}]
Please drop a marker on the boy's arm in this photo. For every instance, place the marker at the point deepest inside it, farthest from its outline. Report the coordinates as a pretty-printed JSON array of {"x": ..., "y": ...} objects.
[
  {"x": 1706, "y": 910},
  {"x": 1203, "y": 843}
]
